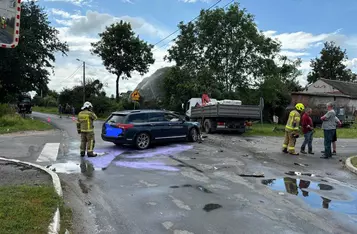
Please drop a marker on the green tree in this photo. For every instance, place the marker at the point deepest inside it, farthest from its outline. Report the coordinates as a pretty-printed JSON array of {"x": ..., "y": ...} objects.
[
  {"x": 222, "y": 52},
  {"x": 122, "y": 52},
  {"x": 25, "y": 68},
  {"x": 330, "y": 65}
]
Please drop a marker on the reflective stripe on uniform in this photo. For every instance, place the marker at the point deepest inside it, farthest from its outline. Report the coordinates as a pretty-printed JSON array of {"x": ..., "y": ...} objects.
[
  {"x": 90, "y": 148},
  {"x": 285, "y": 145},
  {"x": 291, "y": 148},
  {"x": 291, "y": 128}
]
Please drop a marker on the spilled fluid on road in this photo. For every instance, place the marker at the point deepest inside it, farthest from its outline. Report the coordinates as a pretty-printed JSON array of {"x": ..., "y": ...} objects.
[
  {"x": 121, "y": 157},
  {"x": 311, "y": 191}
]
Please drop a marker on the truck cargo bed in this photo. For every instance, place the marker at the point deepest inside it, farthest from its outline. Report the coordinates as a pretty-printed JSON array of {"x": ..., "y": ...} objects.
[{"x": 226, "y": 111}]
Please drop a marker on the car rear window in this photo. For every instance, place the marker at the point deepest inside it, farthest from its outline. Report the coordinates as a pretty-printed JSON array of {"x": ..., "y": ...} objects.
[{"x": 116, "y": 118}]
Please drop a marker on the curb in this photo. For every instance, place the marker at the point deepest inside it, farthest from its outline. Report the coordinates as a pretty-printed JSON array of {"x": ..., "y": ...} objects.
[
  {"x": 54, "y": 227},
  {"x": 350, "y": 166}
]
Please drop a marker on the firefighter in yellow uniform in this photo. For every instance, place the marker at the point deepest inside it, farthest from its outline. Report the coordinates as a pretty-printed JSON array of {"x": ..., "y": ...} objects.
[
  {"x": 3, "y": 22},
  {"x": 292, "y": 129},
  {"x": 85, "y": 127}
]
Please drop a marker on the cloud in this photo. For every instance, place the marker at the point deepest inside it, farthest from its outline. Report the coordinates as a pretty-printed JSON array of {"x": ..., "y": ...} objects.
[
  {"x": 94, "y": 22},
  {"x": 293, "y": 54},
  {"x": 299, "y": 40},
  {"x": 74, "y": 2},
  {"x": 76, "y": 31}
]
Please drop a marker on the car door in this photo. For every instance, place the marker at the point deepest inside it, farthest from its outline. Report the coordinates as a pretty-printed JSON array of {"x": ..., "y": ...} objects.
[
  {"x": 159, "y": 127},
  {"x": 177, "y": 128}
]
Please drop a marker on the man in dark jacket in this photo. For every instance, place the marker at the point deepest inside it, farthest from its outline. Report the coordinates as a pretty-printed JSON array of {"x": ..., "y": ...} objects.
[{"x": 308, "y": 130}]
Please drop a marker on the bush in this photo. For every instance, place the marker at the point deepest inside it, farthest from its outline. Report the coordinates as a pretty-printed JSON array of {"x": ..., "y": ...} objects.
[{"x": 6, "y": 109}]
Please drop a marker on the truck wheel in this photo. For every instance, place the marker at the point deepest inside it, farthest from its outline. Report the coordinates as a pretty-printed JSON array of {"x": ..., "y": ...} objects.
[{"x": 208, "y": 126}]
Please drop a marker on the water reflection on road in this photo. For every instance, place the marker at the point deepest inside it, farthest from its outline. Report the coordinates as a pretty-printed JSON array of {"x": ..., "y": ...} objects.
[{"x": 341, "y": 199}]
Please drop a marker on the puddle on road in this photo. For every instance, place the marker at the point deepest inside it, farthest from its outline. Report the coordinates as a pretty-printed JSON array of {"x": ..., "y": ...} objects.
[
  {"x": 309, "y": 192},
  {"x": 71, "y": 167},
  {"x": 107, "y": 155}
]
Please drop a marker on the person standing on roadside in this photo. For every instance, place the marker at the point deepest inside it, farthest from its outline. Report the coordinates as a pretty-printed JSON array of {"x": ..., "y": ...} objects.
[
  {"x": 334, "y": 138},
  {"x": 329, "y": 127},
  {"x": 60, "y": 110},
  {"x": 308, "y": 130},
  {"x": 85, "y": 127},
  {"x": 292, "y": 129}
]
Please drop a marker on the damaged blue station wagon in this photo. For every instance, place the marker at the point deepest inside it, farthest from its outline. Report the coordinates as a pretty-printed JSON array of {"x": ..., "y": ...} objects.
[{"x": 144, "y": 127}]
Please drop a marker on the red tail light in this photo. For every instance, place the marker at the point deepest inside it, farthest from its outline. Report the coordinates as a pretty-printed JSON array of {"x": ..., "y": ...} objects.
[
  {"x": 125, "y": 126},
  {"x": 220, "y": 123}
]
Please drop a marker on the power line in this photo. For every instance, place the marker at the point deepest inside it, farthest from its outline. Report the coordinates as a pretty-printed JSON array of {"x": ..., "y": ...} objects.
[
  {"x": 188, "y": 23},
  {"x": 74, "y": 72}
]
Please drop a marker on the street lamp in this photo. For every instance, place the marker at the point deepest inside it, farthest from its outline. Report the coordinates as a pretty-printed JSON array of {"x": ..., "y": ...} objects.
[{"x": 84, "y": 80}]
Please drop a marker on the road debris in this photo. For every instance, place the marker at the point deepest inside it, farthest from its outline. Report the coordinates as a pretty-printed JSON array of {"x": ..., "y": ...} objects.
[
  {"x": 301, "y": 164},
  {"x": 256, "y": 175}
]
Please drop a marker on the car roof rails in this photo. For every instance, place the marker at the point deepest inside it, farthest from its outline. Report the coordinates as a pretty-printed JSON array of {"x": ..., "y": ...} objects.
[{"x": 134, "y": 111}]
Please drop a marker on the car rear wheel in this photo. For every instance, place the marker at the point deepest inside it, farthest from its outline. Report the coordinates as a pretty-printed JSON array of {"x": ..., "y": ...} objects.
[
  {"x": 142, "y": 141},
  {"x": 193, "y": 135}
]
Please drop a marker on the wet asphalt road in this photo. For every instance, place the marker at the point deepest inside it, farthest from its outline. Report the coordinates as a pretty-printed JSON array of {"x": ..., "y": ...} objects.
[
  {"x": 196, "y": 188},
  {"x": 5, "y": 37}
]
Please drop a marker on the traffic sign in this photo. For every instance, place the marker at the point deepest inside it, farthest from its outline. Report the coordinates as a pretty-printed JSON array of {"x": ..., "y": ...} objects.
[{"x": 135, "y": 96}]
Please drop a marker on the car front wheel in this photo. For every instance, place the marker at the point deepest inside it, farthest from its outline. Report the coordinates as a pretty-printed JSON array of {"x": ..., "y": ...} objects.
[
  {"x": 142, "y": 141},
  {"x": 193, "y": 135}
]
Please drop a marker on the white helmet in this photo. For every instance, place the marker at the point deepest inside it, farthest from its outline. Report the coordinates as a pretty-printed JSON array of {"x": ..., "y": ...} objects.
[{"x": 87, "y": 105}]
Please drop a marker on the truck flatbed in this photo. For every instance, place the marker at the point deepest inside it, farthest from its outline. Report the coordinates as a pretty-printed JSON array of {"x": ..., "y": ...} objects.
[{"x": 226, "y": 111}]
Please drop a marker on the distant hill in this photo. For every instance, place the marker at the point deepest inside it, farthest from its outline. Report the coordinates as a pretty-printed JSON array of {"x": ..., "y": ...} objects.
[{"x": 150, "y": 87}]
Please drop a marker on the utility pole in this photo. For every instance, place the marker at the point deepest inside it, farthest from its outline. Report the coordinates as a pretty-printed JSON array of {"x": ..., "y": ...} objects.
[
  {"x": 84, "y": 82},
  {"x": 84, "y": 79}
]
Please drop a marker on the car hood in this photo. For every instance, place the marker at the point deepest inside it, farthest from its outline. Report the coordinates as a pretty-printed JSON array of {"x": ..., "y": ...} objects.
[{"x": 192, "y": 123}]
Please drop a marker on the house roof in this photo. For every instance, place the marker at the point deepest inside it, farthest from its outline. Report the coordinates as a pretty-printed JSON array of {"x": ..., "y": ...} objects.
[
  {"x": 347, "y": 88},
  {"x": 322, "y": 94}
]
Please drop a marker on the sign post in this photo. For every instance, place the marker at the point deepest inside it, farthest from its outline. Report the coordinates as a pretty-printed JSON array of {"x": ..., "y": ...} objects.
[
  {"x": 261, "y": 104},
  {"x": 135, "y": 97}
]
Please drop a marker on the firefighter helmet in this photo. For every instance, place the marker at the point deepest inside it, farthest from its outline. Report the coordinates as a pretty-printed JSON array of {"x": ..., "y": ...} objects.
[
  {"x": 87, "y": 105},
  {"x": 300, "y": 107}
]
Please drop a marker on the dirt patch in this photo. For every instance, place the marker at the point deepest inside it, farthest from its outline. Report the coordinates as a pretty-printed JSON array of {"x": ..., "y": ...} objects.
[{"x": 21, "y": 174}]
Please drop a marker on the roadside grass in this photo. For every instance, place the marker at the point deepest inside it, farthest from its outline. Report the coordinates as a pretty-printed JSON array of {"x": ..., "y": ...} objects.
[
  {"x": 54, "y": 110},
  {"x": 66, "y": 218},
  {"x": 27, "y": 209},
  {"x": 48, "y": 110},
  {"x": 268, "y": 130},
  {"x": 13, "y": 123},
  {"x": 354, "y": 161}
]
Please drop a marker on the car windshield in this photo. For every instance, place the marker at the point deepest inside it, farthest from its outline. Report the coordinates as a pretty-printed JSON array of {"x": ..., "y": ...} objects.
[{"x": 116, "y": 118}]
